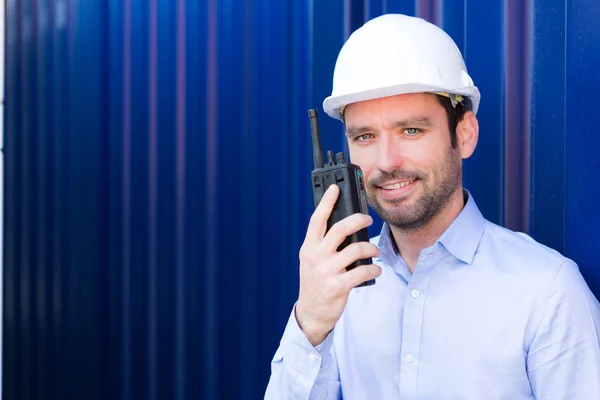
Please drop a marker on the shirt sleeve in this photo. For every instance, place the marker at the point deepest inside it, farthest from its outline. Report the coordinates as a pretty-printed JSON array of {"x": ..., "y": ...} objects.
[
  {"x": 564, "y": 357},
  {"x": 301, "y": 371}
]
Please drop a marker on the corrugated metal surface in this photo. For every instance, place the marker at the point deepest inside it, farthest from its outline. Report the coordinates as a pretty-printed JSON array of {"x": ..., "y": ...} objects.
[
  {"x": 157, "y": 164},
  {"x": 2, "y": 63}
]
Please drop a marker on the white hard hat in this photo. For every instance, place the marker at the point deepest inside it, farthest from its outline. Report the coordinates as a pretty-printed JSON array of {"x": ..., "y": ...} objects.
[{"x": 396, "y": 54}]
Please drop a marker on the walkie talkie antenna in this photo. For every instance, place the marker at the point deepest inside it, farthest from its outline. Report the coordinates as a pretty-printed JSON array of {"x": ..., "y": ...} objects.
[{"x": 316, "y": 138}]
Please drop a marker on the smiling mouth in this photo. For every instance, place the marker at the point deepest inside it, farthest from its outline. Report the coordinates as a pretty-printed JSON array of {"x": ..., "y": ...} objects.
[{"x": 397, "y": 185}]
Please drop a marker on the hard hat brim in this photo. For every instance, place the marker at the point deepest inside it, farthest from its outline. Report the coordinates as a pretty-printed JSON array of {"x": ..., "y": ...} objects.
[{"x": 333, "y": 104}]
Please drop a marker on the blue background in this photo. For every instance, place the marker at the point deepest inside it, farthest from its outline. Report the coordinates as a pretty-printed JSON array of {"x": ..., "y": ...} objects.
[{"x": 157, "y": 174}]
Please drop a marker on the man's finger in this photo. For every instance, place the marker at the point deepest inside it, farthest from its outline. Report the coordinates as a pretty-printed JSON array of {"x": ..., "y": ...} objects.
[
  {"x": 360, "y": 274},
  {"x": 318, "y": 221},
  {"x": 353, "y": 252},
  {"x": 346, "y": 227}
]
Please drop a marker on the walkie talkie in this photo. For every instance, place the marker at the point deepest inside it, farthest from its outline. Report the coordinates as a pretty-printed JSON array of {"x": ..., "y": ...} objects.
[{"x": 348, "y": 177}]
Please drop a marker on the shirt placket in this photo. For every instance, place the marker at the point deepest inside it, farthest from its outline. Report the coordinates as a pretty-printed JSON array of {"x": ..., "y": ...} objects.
[{"x": 412, "y": 324}]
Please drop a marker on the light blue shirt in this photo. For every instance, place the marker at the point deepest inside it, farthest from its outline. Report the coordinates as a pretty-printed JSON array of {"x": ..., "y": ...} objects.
[{"x": 488, "y": 314}]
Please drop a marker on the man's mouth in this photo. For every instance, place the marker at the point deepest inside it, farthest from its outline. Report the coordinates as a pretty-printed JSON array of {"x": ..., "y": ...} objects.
[{"x": 397, "y": 185}]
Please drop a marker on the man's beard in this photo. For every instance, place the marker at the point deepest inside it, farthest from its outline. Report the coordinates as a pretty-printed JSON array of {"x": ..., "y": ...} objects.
[{"x": 437, "y": 189}]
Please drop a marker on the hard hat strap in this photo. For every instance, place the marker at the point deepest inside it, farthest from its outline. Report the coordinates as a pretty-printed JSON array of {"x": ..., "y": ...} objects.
[{"x": 454, "y": 98}]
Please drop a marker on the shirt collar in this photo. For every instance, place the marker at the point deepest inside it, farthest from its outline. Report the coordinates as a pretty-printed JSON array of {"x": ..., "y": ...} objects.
[
  {"x": 461, "y": 238},
  {"x": 387, "y": 247}
]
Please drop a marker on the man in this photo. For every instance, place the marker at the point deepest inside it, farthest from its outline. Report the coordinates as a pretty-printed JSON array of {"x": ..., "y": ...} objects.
[{"x": 462, "y": 308}]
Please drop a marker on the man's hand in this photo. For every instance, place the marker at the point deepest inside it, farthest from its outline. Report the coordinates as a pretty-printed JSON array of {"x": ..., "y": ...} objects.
[{"x": 324, "y": 282}]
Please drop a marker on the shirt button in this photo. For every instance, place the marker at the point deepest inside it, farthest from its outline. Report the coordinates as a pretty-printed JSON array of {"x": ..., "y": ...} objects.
[
  {"x": 409, "y": 358},
  {"x": 414, "y": 293},
  {"x": 312, "y": 356}
]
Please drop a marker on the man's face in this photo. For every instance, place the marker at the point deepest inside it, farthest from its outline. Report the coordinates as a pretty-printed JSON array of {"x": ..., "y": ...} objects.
[{"x": 402, "y": 144}]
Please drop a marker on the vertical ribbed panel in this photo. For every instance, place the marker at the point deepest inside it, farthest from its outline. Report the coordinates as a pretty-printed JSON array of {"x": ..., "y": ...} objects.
[
  {"x": 484, "y": 52},
  {"x": 517, "y": 64},
  {"x": 582, "y": 142},
  {"x": 157, "y": 161},
  {"x": 548, "y": 123}
]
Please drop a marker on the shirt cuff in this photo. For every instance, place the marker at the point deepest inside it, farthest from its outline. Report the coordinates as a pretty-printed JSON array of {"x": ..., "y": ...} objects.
[{"x": 301, "y": 353}]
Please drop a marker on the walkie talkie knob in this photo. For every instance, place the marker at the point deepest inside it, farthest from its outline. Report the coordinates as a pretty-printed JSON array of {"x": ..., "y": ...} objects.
[
  {"x": 330, "y": 158},
  {"x": 340, "y": 158}
]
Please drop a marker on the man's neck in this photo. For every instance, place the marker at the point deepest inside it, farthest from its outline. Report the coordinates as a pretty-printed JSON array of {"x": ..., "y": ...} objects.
[{"x": 411, "y": 242}]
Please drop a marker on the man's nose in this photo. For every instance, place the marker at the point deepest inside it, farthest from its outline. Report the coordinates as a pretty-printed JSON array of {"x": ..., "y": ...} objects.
[{"x": 389, "y": 156}]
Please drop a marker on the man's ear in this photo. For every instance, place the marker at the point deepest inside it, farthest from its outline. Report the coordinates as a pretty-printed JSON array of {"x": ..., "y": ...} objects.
[{"x": 467, "y": 134}]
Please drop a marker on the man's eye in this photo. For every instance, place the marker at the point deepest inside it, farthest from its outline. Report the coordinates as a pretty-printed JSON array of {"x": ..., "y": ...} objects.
[
  {"x": 364, "y": 137},
  {"x": 412, "y": 131}
]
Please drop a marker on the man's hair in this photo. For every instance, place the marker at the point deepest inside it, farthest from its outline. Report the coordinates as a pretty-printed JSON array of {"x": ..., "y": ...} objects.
[{"x": 454, "y": 114}]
